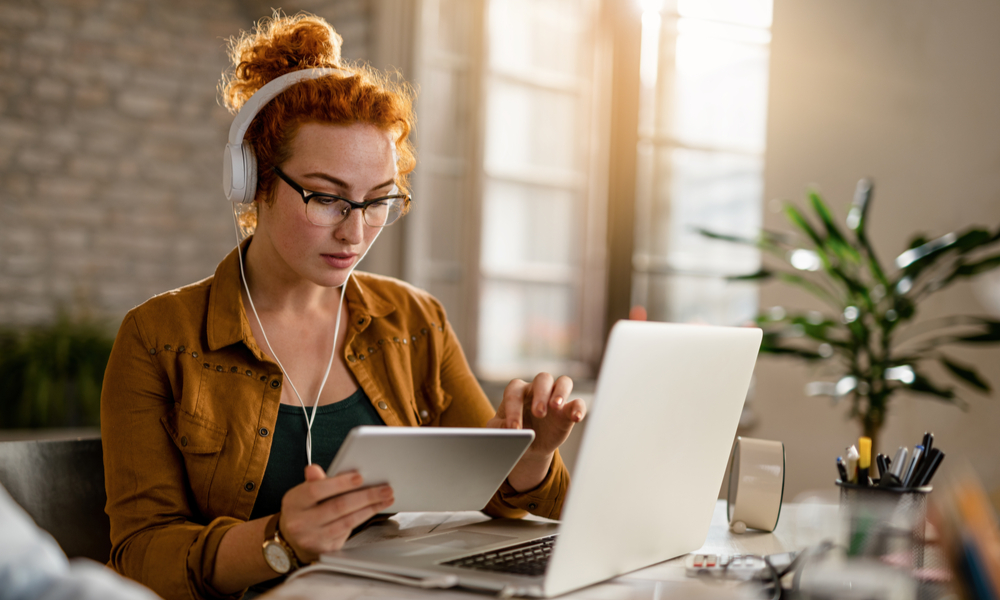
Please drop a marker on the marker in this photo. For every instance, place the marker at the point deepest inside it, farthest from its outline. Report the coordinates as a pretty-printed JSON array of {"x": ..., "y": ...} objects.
[
  {"x": 842, "y": 469},
  {"x": 880, "y": 462},
  {"x": 933, "y": 461},
  {"x": 918, "y": 453},
  {"x": 927, "y": 442},
  {"x": 852, "y": 464},
  {"x": 864, "y": 460},
  {"x": 898, "y": 462}
]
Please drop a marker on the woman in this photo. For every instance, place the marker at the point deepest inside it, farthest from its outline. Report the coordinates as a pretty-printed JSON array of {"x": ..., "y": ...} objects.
[{"x": 209, "y": 449}]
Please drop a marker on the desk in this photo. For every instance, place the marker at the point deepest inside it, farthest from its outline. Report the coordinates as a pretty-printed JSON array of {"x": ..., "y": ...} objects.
[{"x": 799, "y": 526}]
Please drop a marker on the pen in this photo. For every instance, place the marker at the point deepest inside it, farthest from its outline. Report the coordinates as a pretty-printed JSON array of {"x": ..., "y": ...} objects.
[
  {"x": 932, "y": 461},
  {"x": 880, "y": 461},
  {"x": 918, "y": 452},
  {"x": 841, "y": 469},
  {"x": 864, "y": 460},
  {"x": 898, "y": 462}
]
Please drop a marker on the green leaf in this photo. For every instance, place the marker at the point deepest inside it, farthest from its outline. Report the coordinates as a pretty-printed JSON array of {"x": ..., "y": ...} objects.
[
  {"x": 802, "y": 223},
  {"x": 923, "y": 385},
  {"x": 965, "y": 373},
  {"x": 835, "y": 239},
  {"x": 757, "y": 276},
  {"x": 972, "y": 269}
]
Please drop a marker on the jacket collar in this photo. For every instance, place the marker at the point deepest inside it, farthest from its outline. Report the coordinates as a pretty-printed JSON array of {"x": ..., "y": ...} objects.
[{"x": 227, "y": 319}]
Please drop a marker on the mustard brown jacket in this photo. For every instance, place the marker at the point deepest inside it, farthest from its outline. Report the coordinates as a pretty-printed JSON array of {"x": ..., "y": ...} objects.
[{"x": 189, "y": 404}]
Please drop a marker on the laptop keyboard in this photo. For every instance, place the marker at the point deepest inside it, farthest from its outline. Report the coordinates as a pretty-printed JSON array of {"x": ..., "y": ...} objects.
[{"x": 529, "y": 558}]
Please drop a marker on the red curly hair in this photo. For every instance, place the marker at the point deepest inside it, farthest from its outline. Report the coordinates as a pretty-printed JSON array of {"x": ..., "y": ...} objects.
[{"x": 282, "y": 44}]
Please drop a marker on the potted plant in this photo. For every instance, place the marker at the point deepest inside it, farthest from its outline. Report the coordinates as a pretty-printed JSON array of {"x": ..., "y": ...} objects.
[{"x": 867, "y": 334}]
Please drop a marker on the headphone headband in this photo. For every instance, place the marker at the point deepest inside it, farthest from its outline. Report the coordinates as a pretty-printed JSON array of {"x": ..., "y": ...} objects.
[{"x": 239, "y": 165}]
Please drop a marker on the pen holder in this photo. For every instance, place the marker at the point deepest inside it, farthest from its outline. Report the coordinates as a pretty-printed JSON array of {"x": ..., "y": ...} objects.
[{"x": 887, "y": 523}]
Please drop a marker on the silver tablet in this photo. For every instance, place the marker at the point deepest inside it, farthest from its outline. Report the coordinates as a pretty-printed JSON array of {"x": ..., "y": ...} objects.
[{"x": 433, "y": 468}]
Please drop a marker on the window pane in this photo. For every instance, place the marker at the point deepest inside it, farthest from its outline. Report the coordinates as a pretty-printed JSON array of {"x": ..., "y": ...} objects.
[
  {"x": 720, "y": 92},
  {"x": 716, "y": 191},
  {"x": 523, "y": 326},
  {"x": 537, "y": 34},
  {"x": 695, "y": 299},
  {"x": 529, "y": 128},
  {"x": 752, "y": 13},
  {"x": 528, "y": 225}
]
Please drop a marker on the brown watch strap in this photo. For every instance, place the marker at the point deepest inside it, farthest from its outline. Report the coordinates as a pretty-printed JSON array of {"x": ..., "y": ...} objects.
[{"x": 272, "y": 527}]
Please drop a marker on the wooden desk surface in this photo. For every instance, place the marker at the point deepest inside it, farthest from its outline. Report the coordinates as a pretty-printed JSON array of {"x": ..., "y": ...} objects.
[{"x": 798, "y": 527}]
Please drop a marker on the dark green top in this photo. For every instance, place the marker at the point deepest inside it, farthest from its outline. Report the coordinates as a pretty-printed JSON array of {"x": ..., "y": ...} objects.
[{"x": 287, "y": 462}]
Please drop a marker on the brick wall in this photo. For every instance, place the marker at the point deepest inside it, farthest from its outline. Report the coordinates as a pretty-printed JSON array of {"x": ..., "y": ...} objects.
[{"x": 111, "y": 143}]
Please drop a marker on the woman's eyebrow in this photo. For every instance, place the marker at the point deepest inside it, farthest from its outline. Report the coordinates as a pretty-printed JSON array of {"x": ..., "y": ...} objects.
[{"x": 343, "y": 184}]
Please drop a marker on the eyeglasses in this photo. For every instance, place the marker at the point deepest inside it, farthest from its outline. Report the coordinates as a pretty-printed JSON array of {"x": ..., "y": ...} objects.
[{"x": 325, "y": 210}]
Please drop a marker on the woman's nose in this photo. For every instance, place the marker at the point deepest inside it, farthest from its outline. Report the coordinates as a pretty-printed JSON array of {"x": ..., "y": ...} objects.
[{"x": 351, "y": 230}]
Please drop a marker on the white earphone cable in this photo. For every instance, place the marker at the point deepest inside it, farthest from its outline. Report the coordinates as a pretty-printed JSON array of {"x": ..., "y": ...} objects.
[{"x": 333, "y": 351}]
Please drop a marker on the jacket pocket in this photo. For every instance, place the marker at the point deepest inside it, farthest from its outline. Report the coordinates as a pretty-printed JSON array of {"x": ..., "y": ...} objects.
[
  {"x": 200, "y": 443},
  {"x": 430, "y": 403}
]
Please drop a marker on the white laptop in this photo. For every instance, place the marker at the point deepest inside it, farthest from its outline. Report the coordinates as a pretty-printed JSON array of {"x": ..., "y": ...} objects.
[{"x": 644, "y": 487}]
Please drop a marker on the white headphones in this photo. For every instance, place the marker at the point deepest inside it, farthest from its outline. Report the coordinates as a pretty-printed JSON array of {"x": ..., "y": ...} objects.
[{"x": 239, "y": 164}]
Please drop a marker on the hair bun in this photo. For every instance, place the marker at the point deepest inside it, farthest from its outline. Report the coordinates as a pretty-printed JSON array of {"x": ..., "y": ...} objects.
[{"x": 277, "y": 45}]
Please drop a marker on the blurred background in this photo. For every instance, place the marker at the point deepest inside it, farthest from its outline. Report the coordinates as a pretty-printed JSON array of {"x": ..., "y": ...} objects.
[{"x": 567, "y": 149}]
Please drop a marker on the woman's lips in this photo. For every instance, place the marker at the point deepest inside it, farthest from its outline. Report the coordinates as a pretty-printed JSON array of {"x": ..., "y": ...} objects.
[{"x": 340, "y": 260}]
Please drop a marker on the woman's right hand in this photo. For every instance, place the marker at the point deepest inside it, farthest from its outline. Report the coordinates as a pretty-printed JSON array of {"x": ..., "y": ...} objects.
[{"x": 319, "y": 514}]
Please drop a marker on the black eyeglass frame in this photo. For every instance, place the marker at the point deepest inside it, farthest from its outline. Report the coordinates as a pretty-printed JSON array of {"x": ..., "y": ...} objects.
[{"x": 308, "y": 195}]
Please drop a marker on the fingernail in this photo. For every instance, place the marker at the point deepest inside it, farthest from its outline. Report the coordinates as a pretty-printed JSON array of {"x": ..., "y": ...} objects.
[
  {"x": 559, "y": 401},
  {"x": 356, "y": 479},
  {"x": 576, "y": 417},
  {"x": 386, "y": 493}
]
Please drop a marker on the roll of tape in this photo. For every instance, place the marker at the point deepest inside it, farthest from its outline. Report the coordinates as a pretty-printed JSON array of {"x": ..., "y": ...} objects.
[{"x": 756, "y": 484}]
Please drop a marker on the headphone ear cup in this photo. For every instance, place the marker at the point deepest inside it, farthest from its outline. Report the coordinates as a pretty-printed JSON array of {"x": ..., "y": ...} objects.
[{"x": 250, "y": 171}]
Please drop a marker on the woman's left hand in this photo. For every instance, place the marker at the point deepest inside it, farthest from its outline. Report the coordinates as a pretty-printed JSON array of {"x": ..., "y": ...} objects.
[{"x": 542, "y": 406}]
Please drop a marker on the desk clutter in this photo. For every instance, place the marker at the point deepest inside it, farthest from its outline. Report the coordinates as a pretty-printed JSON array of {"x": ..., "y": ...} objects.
[{"x": 894, "y": 473}]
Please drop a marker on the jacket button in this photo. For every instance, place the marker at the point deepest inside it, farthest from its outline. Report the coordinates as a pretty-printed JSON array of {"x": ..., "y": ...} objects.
[
  {"x": 383, "y": 405},
  {"x": 263, "y": 377},
  {"x": 249, "y": 373},
  {"x": 532, "y": 506},
  {"x": 371, "y": 350},
  {"x": 424, "y": 414},
  {"x": 207, "y": 365},
  {"x": 263, "y": 432},
  {"x": 249, "y": 486},
  {"x": 180, "y": 348},
  {"x": 234, "y": 370},
  {"x": 404, "y": 340},
  {"x": 167, "y": 347},
  {"x": 379, "y": 343},
  {"x": 361, "y": 321},
  {"x": 275, "y": 383},
  {"x": 361, "y": 357},
  {"x": 152, "y": 350},
  {"x": 351, "y": 358},
  {"x": 219, "y": 368},
  {"x": 413, "y": 337},
  {"x": 424, "y": 331},
  {"x": 194, "y": 355},
  {"x": 184, "y": 441},
  {"x": 395, "y": 339}
]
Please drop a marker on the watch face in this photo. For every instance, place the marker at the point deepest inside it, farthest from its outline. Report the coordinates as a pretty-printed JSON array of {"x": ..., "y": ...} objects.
[{"x": 277, "y": 557}]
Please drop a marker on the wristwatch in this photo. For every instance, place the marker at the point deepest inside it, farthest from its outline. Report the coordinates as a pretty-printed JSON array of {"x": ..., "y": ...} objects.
[{"x": 277, "y": 553}]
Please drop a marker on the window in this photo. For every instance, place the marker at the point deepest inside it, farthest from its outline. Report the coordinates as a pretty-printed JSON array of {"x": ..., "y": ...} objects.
[
  {"x": 538, "y": 197},
  {"x": 702, "y": 125}
]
